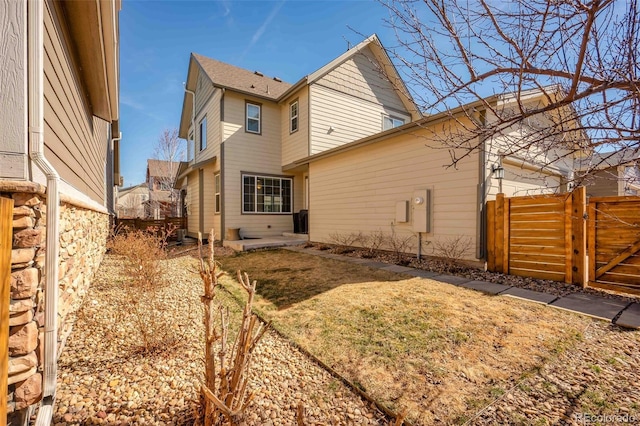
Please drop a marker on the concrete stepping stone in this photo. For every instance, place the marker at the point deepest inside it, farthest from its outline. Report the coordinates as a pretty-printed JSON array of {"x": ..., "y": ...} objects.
[
  {"x": 397, "y": 268},
  {"x": 630, "y": 318},
  {"x": 451, "y": 279},
  {"x": 485, "y": 287},
  {"x": 533, "y": 296},
  {"x": 421, "y": 274},
  {"x": 594, "y": 306}
]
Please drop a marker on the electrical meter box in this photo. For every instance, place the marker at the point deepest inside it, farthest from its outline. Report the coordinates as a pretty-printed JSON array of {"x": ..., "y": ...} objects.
[{"x": 421, "y": 208}]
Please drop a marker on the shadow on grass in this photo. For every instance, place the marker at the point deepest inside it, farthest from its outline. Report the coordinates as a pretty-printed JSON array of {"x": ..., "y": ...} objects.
[{"x": 286, "y": 278}]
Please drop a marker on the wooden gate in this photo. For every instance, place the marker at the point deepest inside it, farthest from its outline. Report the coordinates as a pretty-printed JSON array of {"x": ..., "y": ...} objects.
[
  {"x": 614, "y": 243},
  {"x": 541, "y": 236}
]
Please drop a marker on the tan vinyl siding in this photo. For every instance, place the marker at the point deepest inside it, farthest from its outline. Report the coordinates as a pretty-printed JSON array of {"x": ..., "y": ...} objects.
[
  {"x": 361, "y": 77},
  {"x": 204, "y": 88},
  {"x": 295, "y": 145},
  {"x": 351, "y": 118},
  {"x": 211, "y": 109},
  {"x": 603, "y": 183},
  {"x": 254, "y": 154},
  {"x": 193, "y": 202},
  {"x": 211, "y": 220},
  {"x": 357, "y": 190},
  {"x": 76, "y": 142}
]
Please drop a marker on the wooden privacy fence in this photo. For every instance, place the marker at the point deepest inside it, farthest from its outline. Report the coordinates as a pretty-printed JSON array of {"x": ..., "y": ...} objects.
[
  {"x": 540, "y": 236},
  {"x": 144, "y": 224},
  {"x": 614, "y": 243},
  {"x": 545, "y": 236}
]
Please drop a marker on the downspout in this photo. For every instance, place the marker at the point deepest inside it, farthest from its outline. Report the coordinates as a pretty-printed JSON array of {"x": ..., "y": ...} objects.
[
  {"x": 193, "y": 120},
  {"x": 35, "y": 72}
]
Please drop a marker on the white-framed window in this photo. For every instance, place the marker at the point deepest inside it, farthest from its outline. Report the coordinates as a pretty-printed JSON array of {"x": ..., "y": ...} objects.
[
  {"x": 216, "y": 181},
  {"x": 203, "y": 133},
  {"x": 293, "y": 116},
  {"x": 253, "y": 123},
  {"x": 389, "y": 122},
  {"x": 266, "y": 194}
]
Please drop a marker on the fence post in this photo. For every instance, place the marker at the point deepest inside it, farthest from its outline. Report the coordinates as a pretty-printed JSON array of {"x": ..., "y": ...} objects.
[
  {"x": 491, "y": 236},
  {"x": 579, "y": 237},
  {"x": 6, "y": 239},
  {"x": 502, "y": 234}
]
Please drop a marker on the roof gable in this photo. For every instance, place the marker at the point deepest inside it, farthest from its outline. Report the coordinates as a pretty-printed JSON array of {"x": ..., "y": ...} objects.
[{"x": 161, "y": 168}]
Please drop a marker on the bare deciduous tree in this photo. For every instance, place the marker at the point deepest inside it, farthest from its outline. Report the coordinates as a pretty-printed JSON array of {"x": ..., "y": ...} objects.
[
  {"x": 170, "y": 151},
  {"x": 581, "y": 56}
]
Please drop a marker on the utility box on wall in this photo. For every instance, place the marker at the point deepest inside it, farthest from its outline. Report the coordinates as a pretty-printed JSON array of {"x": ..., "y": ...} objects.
[
  {"x": 402, "y": 211},
  {"x": 421, "y": 206}
]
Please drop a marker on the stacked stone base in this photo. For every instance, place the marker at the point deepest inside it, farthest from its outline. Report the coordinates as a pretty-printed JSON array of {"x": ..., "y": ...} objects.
[{"x": 82, "y": 243}]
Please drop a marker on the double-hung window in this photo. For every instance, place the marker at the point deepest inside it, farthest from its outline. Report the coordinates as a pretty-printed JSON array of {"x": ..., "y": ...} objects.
[
  {"x": 216, "y": 179},
  {"x": 389, "y": 122},
  {"x": 253, "y": 121},
  {"x": 266, "y": 194},
  {"x": 293, "y": 116},
  {"x": 203, "y": 133}
]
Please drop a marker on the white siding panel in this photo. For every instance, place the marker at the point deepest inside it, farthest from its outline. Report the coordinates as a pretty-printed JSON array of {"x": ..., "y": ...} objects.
[
  {"x": 357, "y": 190},
  {"x": 338, "y": 118},
  {"x": 256, "y": 154}
]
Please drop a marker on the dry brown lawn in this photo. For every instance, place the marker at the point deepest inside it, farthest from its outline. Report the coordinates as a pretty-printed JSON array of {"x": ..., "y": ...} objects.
[{"x": 438, "y": 352}]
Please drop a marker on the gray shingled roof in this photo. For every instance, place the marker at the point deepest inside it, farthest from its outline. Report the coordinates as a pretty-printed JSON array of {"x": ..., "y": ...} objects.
[{"x": 240, "y": 79}]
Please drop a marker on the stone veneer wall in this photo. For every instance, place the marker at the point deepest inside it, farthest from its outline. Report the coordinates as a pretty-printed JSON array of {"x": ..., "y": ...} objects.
[{"x": 83, "y": 238}]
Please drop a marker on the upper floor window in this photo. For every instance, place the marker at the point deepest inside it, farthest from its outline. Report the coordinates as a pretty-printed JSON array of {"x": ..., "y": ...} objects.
[
  {"x": 253, "y": 118},
  {"x": 389, "y": 122},
  {"x": 265, "y": 194},
  {"x": 293, "y": 116},
  {"x": 203, "y": 134}
]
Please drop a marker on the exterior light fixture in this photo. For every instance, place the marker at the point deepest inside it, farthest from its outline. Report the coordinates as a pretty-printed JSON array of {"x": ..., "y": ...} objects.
[{"x": 498, "y": 171}]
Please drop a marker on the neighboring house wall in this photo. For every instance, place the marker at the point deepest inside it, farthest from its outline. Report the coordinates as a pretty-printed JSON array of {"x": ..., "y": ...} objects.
[
  {"x": 604, "y": 183},
  {"x": 357, "y": 190},
  {"x": 68, "y": 119},
  {"x": 254, "y": 154},
  {"x": 130, "y": 202}
]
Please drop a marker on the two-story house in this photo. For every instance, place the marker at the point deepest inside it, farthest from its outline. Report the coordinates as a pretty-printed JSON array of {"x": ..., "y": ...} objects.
[
  {"x": 163, "y": 198},
  {"x": 247, "y": 131}
]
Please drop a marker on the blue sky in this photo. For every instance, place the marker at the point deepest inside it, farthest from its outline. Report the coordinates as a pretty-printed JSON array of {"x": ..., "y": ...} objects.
[{"x": 287, "y": 39}]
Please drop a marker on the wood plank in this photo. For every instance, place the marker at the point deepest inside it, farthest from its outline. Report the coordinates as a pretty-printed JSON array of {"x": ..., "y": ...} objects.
[
  {"x": 617, "y": 288},
  {"x": 567, "y": 239},
  {"x": 627, "y": 269},
  {"x": 6, "y": 237},
  {"x": 619, "y": 258},
  {"x": 491, "y": 236},
  {"x": 538, "y": 257},
  {"x": 533, "y": 233},
  {"x": 532, "y": 241},
  {"x": 555, "y": 225},
  {"x": 536, "y": 209},
  {"x": 535, "y": 217},
  {"x": 557, "y": 251},
  {"x": 591, "y": 239},
  {"x": 537, "y": 266},
  {"x": 579, "y": 237},
  {"x": 617, "y": 199},
  {"x": 615, "y": 278},
  {"x": 554, "y": 276}
]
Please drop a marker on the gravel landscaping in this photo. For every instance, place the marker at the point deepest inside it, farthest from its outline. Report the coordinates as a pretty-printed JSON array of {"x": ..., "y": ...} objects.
[{"x": 103, "y": 377}]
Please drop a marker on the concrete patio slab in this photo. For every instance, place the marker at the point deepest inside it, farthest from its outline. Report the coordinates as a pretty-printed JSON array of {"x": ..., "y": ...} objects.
[
  {"x": 485, "y": 287},
  {"x": 530, "y": 295},
  {"x": 594, "y": 306},
  {"x": 451, "y": 279},
  {"x": 397, "y": 268},
  {"x": 630, "y": 318}
]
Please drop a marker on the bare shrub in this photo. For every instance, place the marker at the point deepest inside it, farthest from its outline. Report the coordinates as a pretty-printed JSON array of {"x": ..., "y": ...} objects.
[
  {"x": 399, "y": 245},
  {"x": 143, "y": 253},
  {"x": 346, "y": 240},
  {"x": 371, "y": 242},
  {"x": 452, "y": 248},
  {"x": 224, "y": 392}
]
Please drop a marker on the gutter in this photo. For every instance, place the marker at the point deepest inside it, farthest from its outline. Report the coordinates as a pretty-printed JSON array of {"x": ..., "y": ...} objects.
[
  {"x": 193, "y": 121},
  {"x": 35, "y": 72}
]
